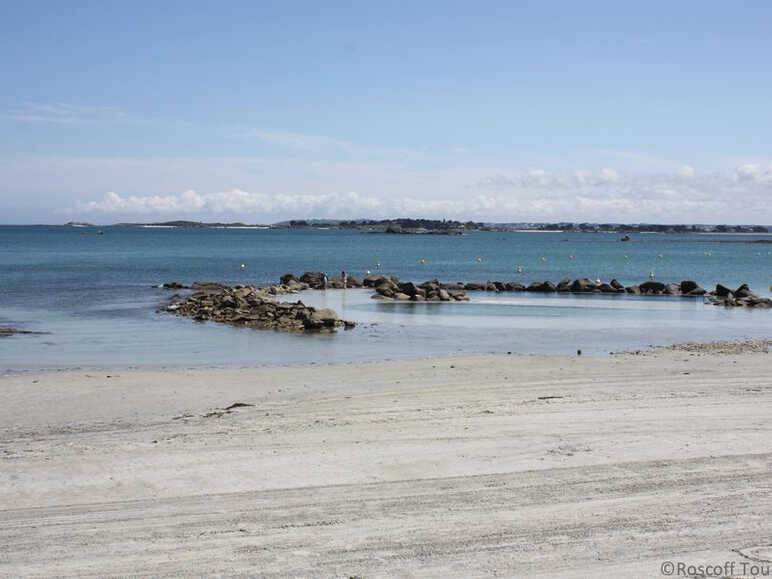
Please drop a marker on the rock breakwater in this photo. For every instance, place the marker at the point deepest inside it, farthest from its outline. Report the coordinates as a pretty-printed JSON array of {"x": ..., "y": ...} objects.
[{"x": 250, "y": 306}]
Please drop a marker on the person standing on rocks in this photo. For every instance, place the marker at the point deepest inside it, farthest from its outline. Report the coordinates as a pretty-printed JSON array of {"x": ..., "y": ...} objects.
[
  {"x": 324, "y": 281},
  {"x": 344, "y": 277}
]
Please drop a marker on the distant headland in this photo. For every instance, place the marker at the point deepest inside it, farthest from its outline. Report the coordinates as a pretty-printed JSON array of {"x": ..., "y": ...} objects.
[{"x": 412, "y": 226}]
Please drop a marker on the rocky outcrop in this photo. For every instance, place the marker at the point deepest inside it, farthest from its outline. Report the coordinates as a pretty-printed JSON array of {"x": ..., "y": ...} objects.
[
  {"x": 541, "y": 287},
  {"x": 429, "y": 291},
  {"x": 206, "y": 286},
  {"x": 652, "y": 287},
  {"x": 5, "y": 332},
  {"x": 249, "y": 306},
  {"x": 741, "y": 297},
  {"x": 173, "y": 285},
  {"x": 314, "y": 279}
]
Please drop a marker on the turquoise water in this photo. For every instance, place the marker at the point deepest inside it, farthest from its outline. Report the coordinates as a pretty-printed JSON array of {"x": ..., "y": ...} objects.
[{"x": 94, "y": 294}]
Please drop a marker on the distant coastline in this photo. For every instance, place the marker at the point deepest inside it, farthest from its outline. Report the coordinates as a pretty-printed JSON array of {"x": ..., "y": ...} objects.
[{"x": 406, "y": 226}]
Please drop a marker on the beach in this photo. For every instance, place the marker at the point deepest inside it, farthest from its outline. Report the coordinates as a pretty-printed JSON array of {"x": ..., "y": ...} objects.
[{"x": 503, "y": 465}]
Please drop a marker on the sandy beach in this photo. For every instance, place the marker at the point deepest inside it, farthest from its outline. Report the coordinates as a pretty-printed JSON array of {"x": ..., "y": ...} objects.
[{"x": 476, "y": 466}]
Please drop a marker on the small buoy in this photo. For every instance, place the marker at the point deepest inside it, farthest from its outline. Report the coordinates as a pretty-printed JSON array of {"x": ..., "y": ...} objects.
[
  {"x": 243, "y": 266},
  {"x": 519, "y": 269},
  {"x": 625, "y": 256},
  {"x": 479, "y": 260},
  {"x": 423, "y": 260},
  {"x": 571, "y": 257},
  {"x": 659, "y": 256},
  {"x": 543, "y": 259},
  {"x": 651, "y": 275},
  {"x": 367, "y": 272}
]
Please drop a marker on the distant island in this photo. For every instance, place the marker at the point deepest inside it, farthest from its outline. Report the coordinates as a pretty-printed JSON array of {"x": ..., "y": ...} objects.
[
  {"x": 194, "y": 225},
  {"x": 410, "y": 226}
]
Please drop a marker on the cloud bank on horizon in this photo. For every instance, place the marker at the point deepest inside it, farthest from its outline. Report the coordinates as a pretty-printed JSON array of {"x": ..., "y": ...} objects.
[{"x": 683, "y": 195}]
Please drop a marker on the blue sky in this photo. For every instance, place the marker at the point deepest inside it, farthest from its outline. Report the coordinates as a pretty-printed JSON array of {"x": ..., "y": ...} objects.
[{"x": 506, "y": 111}]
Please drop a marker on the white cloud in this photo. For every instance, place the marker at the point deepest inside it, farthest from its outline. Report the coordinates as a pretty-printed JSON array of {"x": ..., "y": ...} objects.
[
  {"x": 383, "y": 191},
  {"x": 609, "y": 175},
  {"x": 755, "y": 173},
  {"x": 234, "y": 202},
  {"x": 686, "y": 171}
]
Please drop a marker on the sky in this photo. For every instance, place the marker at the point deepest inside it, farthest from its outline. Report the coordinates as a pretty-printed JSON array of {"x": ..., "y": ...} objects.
[{"x": 506, "y": 111}]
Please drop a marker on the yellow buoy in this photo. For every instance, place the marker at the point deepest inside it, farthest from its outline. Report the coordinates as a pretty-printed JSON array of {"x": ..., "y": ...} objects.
[
  {"x": 543, "y": 259},
  {"x": 479, "y": 260}
]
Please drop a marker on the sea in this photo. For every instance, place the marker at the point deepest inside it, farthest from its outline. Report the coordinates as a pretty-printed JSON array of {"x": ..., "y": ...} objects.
[{"x": 93, "y": 294}]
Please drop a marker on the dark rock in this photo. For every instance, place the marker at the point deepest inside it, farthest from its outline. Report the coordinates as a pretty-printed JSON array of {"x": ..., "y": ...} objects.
[
  {"x": 408, "y": 287},
  {"x": 672, "y": 289},
  {"x": 474, "y": 286},
  {"x": 541, "y": 287},
  {"x": 564, "y": 284},
  {"x": 207, "y": 286},
  {"x": 514, "y": 286},
  {"x": 723, "y": 291},
  {"x": 452, "y": 286},
  {"x": 174, "y": 285},
  {"x": 5, "y": 332},
  {"x": 314, "y": 279},
  {"x": 633, "y": 289},
  {"x": 652, "y": 287},
  {"x": 584, "y": 285},
  {"x": 688, "y": 285},
  {"x": 744, "y": 292},
  {"x": 616, "y": 285},
  {"x": 287, "y": 278},
  {"x": 375, "y": 280}
]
